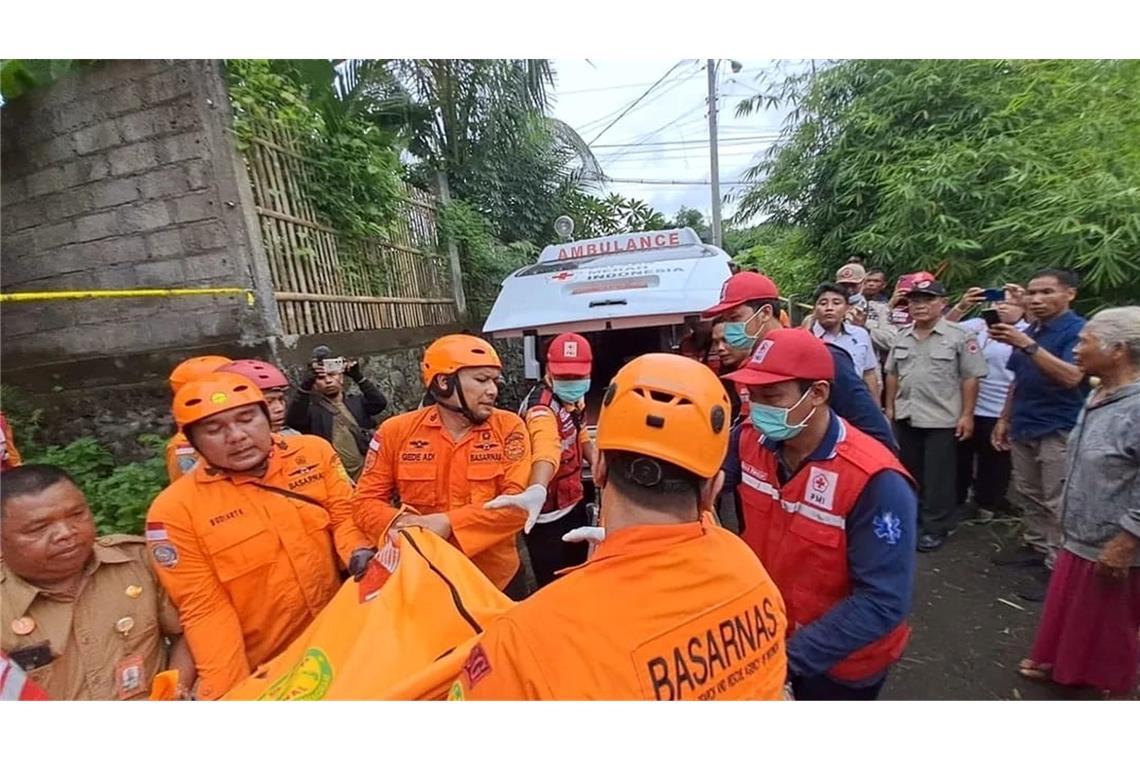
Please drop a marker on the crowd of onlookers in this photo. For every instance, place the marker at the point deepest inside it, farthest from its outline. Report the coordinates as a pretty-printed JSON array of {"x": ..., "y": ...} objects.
[
  {"x": 1003, "y": 402},
  {"x": 993, "y": 412}
]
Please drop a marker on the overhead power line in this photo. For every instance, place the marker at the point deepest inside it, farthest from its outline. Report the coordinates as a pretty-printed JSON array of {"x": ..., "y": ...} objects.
[
  {"x": 617, "y": 181},
  {"x": 758, "y": 137},
  {"x": 640, "y": 98},
  {"x": 673, "y": 85}
]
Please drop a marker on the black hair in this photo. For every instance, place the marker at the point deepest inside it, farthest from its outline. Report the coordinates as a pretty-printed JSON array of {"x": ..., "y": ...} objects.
[
  {"x": 877, "y": 270},
  {"x": 1066, "y": 277},
  {"x": 31, "y": 479},
  {"x": 652, "y": 482},
  {"x": 759, "y": 303},
  {"x": 828, "y": 287}
]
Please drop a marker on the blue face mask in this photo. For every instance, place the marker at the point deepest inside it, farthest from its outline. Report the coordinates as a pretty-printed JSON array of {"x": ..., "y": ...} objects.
[
  {"x": 570, "y": 391},
  {"x": 736, "y": 334},
  {"x": 772, "y": 421}
]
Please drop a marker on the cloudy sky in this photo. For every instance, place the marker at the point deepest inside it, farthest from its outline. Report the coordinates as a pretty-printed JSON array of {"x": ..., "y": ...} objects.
[{"x": 664, "y": 138}]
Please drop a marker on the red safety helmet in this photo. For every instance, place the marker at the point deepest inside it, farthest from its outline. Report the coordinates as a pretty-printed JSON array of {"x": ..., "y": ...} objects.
[{"x": 264, "y": 375}]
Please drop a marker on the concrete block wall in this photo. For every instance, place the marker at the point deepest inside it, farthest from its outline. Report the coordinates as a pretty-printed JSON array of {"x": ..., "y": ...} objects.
[{"x": 124, "y": 176}]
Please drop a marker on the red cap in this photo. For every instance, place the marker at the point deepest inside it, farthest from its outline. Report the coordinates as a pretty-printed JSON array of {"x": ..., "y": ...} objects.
[
  {"x": 741, "y": 288},
  {"x": 569, "y": 355},
  {"x": 786, "y": 354}
]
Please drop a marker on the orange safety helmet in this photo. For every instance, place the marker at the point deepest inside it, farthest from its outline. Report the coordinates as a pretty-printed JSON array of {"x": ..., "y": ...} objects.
[
  {"x": 212, "y": 394},
  {"x": 451, "y": 353},
  {"x": 668, "y": 407},
  {"x": 194, "y": 368}
]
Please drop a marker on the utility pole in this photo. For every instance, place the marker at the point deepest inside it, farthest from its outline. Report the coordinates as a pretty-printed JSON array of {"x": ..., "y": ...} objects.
[{"x": 714, "y": 159}]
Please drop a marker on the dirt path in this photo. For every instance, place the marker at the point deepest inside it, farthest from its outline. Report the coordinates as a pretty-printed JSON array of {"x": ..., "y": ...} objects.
[{"x": 966, "y": 643}]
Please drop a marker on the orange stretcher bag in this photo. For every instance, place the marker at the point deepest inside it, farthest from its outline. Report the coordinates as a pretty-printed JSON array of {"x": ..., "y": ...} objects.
[{"x": 402, "y": 632}]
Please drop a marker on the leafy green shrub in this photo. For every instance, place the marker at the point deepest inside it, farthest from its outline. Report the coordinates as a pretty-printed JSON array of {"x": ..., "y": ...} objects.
[
  {"x": 119, "y": 494},
  {"x": 485, "y": 260}
]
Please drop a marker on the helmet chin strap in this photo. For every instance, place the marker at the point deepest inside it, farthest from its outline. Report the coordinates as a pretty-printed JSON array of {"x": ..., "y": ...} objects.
[{"x": 462, "y": 407}]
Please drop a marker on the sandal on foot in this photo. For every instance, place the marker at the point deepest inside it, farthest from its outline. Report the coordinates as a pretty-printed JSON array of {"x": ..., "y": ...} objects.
[{"x": 1034, "y": 671}]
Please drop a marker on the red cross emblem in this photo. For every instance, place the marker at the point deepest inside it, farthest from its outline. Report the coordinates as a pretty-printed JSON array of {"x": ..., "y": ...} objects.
[
  {"x": 820, "y": 483},
  {"x": 563, "y": 276}
]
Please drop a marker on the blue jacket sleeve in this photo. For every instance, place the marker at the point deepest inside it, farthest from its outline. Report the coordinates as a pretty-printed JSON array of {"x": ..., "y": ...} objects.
[
  {"x": 880, "y": 559},
  {"x": 731, "y": 464},
  {"x": 852, "y": 401}
]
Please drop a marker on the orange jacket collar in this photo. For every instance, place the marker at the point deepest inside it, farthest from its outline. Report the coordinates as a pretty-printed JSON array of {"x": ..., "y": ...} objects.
[
  {"x": 278, "y": 452},
  {"x": 643, "y": 539}
]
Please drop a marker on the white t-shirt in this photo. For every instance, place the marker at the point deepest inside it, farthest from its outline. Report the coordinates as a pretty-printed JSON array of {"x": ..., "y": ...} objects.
[
  {"x": 855, "y": 340},
  {"x": 992, "y": 388}
]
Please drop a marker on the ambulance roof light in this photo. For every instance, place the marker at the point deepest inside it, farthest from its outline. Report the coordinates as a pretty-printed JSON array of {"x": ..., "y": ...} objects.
[{"x": 564, "y": 226}]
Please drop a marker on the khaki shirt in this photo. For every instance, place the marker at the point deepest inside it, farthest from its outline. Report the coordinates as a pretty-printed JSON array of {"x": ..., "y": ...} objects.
[
  {"x": 878, "y": 324},
  {"x": 931, "y": 372},
  {"x": 91, "y": 659}
]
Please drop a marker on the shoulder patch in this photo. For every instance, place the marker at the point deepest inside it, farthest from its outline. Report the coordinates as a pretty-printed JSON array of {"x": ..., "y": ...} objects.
[
  {"x": 165, "y": 555},
  {"x": 514, "y": 447},
  {"x": 156, "y": 531}
]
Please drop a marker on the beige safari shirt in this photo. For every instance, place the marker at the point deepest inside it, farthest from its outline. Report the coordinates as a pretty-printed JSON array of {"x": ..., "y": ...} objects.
[
  {"x": 931, "y": 372},
  {"x": 878, "y": 324},
  {"x": 92, "y": 657}
]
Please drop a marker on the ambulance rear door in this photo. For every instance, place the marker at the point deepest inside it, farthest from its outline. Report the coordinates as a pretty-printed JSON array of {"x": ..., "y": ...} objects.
[{"x": 625, "y": 281}]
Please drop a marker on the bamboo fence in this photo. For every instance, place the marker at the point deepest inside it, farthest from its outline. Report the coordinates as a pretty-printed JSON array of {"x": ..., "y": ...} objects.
[{"x": 325, "y": 282}]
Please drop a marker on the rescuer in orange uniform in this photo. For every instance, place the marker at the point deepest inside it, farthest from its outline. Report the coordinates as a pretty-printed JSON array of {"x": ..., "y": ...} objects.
[
  {"x": 446, "y": 460},
  {"x": 246, "y": 544},
  {"x": 560, "y": 444},
  {"x": 180, "y": 455},
  {"x": 9, "y": 456},
  {"x": 669, "y": 606}
]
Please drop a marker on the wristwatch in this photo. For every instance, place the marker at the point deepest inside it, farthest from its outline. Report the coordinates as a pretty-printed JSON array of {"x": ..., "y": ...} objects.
[{"x": 1031, "y": 349}]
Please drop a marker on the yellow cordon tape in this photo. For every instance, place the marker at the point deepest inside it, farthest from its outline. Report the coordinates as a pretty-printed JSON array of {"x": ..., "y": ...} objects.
[{"x": 74, "y": 295}]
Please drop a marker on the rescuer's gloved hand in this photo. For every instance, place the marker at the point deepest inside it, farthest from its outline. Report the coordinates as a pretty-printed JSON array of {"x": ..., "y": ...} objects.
[
  {"x": 358, "y": 562},
  {"x": 354, "y": 371},
  {"x": 592, "y": 535},
  {"x": 532, "y": 500}
]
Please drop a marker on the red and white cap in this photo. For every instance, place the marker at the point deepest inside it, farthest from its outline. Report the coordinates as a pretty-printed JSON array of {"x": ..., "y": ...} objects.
[
  {"x": 569, "y": 355},
  {"x": 742, "y": 288},
  {"x": 786, "y": 354}
]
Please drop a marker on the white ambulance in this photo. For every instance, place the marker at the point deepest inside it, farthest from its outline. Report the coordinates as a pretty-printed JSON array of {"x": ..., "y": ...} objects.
[{"x": 627, "y": 294}]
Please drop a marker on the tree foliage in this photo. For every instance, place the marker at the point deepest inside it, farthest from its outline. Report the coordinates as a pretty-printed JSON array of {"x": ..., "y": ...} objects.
[
  {"x": 20, "y": 75},
  {"x": 610, "y": 215},
  {"x": 995, "y": 168},
  {"x": 354, "y": 176},
  {"x": 484, "y": 124},
  {"x": 694, "y": 219},
  {"x": 781, "y": 253}
]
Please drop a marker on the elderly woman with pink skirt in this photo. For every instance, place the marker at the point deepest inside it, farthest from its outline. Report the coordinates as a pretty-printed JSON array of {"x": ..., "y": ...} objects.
[{"x": 1088, "y": 635}]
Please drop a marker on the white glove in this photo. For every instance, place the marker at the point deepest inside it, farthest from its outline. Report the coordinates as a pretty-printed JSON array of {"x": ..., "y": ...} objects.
[
  {"x": 532, "y": 500},
  {"x": 593, "y": 535}
]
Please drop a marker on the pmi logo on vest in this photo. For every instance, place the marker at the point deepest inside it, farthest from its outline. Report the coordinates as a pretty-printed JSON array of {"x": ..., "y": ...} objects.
[{"x": 822, "y": 485}]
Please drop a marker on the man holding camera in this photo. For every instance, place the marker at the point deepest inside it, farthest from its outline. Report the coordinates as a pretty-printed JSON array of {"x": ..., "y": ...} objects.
[{"x": 322, "y": 408}]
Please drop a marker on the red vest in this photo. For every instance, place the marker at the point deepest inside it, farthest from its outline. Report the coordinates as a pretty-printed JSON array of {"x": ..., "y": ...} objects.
[
  {"x": 565, "y": 489},
  {"x": 745, "y": 400},
  {"x": 799, "y": 533}
]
